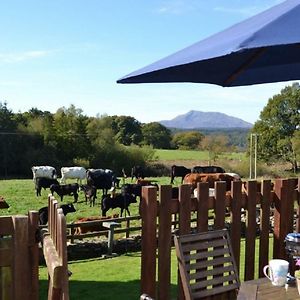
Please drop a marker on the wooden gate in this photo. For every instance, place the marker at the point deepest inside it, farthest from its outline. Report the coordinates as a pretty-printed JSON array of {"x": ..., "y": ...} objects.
[
  {"x": 54, "y": 242},
  {"x": 19, "y": 257}
]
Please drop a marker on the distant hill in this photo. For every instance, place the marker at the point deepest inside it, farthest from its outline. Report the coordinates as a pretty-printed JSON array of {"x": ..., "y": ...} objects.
[{"x": 198, "y": 119}]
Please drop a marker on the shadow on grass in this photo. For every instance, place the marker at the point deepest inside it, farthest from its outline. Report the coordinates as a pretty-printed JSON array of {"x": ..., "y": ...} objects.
[{"x": 95, "y": 290}]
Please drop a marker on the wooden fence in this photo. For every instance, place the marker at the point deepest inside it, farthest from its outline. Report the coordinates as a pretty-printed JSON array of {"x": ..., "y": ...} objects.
[
  {"x": 54, "y": 242},
  {"x": 19, "y": 257},
  {"x": 157, "y": 233},
  {"x": 127, "y": 228}
]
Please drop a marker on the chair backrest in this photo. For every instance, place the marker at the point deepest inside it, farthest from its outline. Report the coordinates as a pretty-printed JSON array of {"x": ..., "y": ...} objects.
[{"x": 206, "y": 264}]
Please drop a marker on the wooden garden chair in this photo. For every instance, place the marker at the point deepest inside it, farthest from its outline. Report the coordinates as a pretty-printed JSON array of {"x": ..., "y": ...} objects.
[{"x": 206, "y": 265}]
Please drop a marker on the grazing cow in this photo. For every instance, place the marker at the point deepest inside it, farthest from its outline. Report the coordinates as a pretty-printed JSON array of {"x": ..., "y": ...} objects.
[
  {"x": 118, "y": 200},
  {"x": 43, "y": 171},
  {"x": 85, "y": 228},
  {"x": 65, "y": 189},
  {"x": 137, "y": 172},
  {"x": 78, "y": 173},
  {"x": 207, "y": 169},
  {"x": 179, "y": 171},
  {"x": 90, "y": 193},
  {"x": 43, "y": 182},
  {"x": 194, "y": 178},
  {"x": 43, "y": 212},
  {"x": 101, "y": 179}
]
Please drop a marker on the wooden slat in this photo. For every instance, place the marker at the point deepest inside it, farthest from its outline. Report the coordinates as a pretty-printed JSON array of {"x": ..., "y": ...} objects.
[
  {"x": 148, "y": 256},
  {"x": 6, "y": 225},
  {"x": 264, "y": 225},
  {"x": 184, "y": 221},
  {"x": 215, "y": 281},
  {"x": 250, "y": 229},
  {"x": 283, "y": 215},
  {"x": 21, "y": 265},
  {"x": 205, "y": 264},
  {"x": 220, "y": 196},
  {"x": 202, "y": 209},
  {"x": 33, "y": 217},
  {"x": 6, "y": 257},
  {"x": 235, "y": 230},
  {"x": 164, "y": 244},
  {"x": 204, "y": 274}
]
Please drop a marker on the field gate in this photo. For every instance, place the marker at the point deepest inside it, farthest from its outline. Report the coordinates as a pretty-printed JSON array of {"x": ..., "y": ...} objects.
[{"x": 19, "y": 255}]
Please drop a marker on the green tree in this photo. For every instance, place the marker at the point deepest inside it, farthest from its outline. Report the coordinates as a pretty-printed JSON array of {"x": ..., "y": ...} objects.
[
  {"x": 215, "y": 145},
  {"x": 187, "y": 139},
  {"x": 70, "y": 139},
  {"x": 127, "y": 130},
  {"x": 278, "y": 126},
  {"x": 156, "y": 135}
]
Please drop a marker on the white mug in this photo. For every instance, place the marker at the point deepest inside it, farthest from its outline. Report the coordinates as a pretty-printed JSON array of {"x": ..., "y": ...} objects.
[{"x": 278, "y": 270}]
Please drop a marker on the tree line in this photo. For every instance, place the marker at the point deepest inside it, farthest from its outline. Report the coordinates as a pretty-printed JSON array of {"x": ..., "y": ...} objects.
[{"x": 68, "y": 137}]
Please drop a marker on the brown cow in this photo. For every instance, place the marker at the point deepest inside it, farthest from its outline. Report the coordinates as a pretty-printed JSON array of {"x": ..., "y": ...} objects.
[
  {"x": 194, "y": 178},
  {"x": 92, "y": 227}
]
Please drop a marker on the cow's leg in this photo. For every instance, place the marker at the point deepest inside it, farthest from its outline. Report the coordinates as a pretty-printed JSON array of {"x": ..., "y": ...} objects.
[
  {"x": 128, "y": 211},
  {"x": 75, "y": 197}
]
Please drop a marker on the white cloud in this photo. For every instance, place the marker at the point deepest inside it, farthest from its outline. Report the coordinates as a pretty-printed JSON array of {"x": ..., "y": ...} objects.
[{"x": 22, "y": 56}]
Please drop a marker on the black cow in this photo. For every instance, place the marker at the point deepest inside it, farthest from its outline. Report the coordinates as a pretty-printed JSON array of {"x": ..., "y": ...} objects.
[
  {"x": 65, "y": 189},
  {"x": 132, "y": 189},
  {"x": 43, "y": 182},
  {"x": 101, "y": 179},
  {"x": 118, "y": 200},
  {"x": 90, "y": 193},
  {"x": 179, "y": 171},
  {"x": 207, "y": 169},
  {"x": 43, "y": 212},
  {"x": 137, "y": 172}
]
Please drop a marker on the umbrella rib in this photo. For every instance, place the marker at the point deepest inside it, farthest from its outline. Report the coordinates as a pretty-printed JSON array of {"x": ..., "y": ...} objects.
[{"x": 244, "y": 66}]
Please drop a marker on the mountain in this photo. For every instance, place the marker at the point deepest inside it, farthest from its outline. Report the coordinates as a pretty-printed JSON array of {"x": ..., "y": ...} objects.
[{"x": 198, "y": 119}]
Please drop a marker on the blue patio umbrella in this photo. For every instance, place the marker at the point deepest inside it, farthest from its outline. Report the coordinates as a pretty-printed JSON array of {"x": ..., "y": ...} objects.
[{"x": 262, "y": 49}]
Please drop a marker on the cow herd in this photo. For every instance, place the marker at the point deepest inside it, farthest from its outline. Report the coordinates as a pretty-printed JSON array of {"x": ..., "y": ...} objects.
[
  {"x": 106, "y": 180},
  {"x": 96, "y": 179}
]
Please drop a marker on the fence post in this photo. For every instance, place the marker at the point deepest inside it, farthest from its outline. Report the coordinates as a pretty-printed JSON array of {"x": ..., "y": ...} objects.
[
  {"x": 164, "y": 242},
  {"x": 250, "y": 229},
  {"x": 21, "y": 264},
  {"x": 235, "y": 230},
  {"x": 264, "y": 225},
  {"x": 283, "y": 215},
  {"x": 33, "y": 217},
  {"x": 220, "y": 199},
  {"x": 149, "y": 242},
  {"x": 184, "y": 221}
]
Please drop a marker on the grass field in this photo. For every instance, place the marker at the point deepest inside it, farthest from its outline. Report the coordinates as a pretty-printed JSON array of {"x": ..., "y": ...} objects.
[
  {"x": 94, "y": 278},
  {"x": 194, "y": 155}
]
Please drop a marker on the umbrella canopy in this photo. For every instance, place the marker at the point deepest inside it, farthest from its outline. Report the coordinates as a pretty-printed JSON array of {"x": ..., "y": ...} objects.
[{"x": 262, "y": 49}]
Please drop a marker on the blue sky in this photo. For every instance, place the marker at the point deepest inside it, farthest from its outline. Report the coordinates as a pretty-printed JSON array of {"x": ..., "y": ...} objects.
[{"x": 60, "y": 52}]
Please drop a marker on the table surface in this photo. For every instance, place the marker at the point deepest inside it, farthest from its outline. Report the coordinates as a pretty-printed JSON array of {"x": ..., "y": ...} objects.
[{"x": 263, "y": 289}]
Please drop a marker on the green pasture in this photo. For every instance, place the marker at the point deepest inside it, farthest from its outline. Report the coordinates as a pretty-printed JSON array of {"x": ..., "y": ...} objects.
[
  {"x": 163, "y": 154},
  {"x": 20, "y": 195}
]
